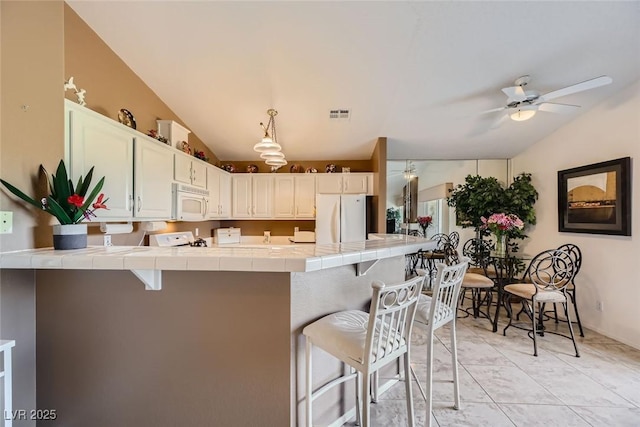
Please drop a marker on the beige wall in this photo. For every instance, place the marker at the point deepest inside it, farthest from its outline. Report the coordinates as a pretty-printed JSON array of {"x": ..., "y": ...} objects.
[
  {"x": 609, "y": 131},
  {"x": 32, "y": 75},
  {"x": 110, "y": 83}
]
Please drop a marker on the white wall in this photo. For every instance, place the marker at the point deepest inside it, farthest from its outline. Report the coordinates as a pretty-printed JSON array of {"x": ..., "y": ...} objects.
[{"x": 609, "y": 271}]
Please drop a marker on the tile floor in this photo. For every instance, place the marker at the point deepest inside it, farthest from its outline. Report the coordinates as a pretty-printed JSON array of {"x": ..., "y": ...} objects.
[{"x": 503, "y": 384}]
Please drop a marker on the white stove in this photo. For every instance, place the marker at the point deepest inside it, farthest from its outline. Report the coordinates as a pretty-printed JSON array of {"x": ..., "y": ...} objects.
[{"x": 180, "y": 238}]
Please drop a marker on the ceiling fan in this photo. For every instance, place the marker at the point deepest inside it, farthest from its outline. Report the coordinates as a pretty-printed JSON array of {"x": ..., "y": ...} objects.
[
  {"x": 408, "y": 172},
  {"x": 522, "y": 104}
]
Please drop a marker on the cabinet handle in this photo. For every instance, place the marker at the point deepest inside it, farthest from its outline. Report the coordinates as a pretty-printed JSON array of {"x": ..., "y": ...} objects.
[
  {"x": 219, "y": 209},
  {"x": 296, "y": 210},
  {"x": 139, "y": 203},
  {"x": 130, "y": 207}
]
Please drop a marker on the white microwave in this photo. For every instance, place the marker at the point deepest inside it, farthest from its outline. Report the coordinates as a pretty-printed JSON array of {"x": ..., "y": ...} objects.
[{"x": 190, "y": 203}]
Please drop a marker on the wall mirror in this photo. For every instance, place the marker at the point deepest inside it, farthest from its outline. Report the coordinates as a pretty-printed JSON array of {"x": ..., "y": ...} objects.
[{"x": 420, "y": 188}]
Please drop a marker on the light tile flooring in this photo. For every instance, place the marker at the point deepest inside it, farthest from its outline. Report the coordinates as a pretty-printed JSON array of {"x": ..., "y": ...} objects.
[{"x": 503, "y": 384}]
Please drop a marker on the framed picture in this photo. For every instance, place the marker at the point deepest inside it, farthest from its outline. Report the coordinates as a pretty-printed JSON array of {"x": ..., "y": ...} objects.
[{"x": 596, "y": 198}]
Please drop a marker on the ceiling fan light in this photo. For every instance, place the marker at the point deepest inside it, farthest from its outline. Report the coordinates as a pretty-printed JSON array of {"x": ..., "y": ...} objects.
[
  {"x": 520, "y": 115},
  {"x": 276, "y": 162}
]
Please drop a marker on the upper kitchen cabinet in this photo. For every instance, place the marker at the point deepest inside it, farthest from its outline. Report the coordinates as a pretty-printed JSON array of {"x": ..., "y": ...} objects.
[
  {"x": 190, "y": 170},
  {"x": 294, "y": 196},
  {"x": 305, "y": 196},
  {"x": 124, "y": 157},
  {"x": 219, "y": 186},
  {"x": 345, "y": 183},
  {"x": 252, "y": 196}
]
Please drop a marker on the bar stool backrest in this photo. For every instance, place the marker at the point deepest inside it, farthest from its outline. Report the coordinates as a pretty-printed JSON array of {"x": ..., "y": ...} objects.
[
  {"x": 445, "y": 293},
  {"x": 391, "y": 315},
  {"x": 454, "y": 239},
  {"x": 575, "y": 254}
]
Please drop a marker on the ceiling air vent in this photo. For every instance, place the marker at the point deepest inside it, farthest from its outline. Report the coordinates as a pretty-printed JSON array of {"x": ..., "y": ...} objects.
[{"x": 339, "y": 114}]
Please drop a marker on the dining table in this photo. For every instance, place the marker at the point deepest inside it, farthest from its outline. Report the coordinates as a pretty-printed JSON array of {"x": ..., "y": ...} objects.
[{"x": 507, "y": 266}]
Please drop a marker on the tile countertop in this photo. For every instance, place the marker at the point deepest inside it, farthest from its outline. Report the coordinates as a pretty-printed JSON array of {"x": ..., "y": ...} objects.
[{"x": 273, "y": 258}]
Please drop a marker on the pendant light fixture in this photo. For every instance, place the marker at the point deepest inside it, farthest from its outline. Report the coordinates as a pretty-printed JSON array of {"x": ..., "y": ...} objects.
[{"x": 268, "y": 147}]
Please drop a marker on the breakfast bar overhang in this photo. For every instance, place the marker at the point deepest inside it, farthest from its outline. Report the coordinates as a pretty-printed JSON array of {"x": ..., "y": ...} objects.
[{"x": 218, "y": 344}]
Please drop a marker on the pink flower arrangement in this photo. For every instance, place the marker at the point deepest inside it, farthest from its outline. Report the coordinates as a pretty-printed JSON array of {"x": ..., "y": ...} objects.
[
  {"x": 425, "y": 221},
  {"x": 500, "y": 223}
]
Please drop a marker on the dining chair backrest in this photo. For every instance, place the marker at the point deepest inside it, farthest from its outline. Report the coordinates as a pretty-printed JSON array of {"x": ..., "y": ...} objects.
[
  {"x": 391, "y": 315},
  {"x": 575, "y": 254},
  {"x": 551, "y": 270},
  {"x": 446, "y": 290},
  {"x": 478, "y": 251},
  {"x": 454, "y": 239},
  {"x": 441, "y": 239},
  {"x": 450, "y": 254}
]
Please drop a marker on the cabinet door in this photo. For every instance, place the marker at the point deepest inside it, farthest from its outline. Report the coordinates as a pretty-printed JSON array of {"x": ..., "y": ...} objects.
[
  {"x": 356, "y": 183},
  {"x": 305, "y": 196},
  {"x": 198, "y": 174},
  {"x": 213, "y": 185},
  {"x": 283, "y": 202},
  {"x": 153, "y": 178},
  {"x": 262, "y": 187},
  {"x": 225, "y": 195},
  {"x": 329, "y": 183},
  {"x": 241, "y": 195},
  {"x": 108, "y": 147},
  {"x": 182, "y": 168}
]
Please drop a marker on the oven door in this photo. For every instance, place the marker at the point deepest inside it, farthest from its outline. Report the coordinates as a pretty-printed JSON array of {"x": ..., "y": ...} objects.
[{"x": 190, "y": 207}]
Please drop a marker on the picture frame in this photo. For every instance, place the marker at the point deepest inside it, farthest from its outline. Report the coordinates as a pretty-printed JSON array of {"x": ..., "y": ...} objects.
[{"x": 596, "y": 198}]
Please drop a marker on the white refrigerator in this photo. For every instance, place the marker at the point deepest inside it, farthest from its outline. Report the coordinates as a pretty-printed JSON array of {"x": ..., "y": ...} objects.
[{"x": 340, "y": 218}]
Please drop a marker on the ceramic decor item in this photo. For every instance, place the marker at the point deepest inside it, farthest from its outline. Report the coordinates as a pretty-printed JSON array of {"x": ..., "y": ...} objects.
[
  {"x": 330, "y": 168},
  {"x": 252, "y": 169}
]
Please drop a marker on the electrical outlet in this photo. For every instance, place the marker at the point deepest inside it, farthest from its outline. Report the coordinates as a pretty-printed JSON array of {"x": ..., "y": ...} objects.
[
  {"x": 6, "y": 222},
  {"x": 107, "y": 240},
  {"x": 599, "y": 306}
]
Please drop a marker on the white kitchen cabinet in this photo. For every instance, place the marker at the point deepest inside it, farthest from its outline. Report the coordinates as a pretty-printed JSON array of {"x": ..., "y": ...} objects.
[
  {"x": 152, "y": 181},
  {"x": 219, "y": 186},
  {"x": 305, "y": 196},
  {"x": 190, "y": 170},
  {"x": 108, "y": 147},
  {"x": 345, "y": 183},
  {"x": 262, "y": 195},
  {"x": 241, "y": 196},
  {"x": 284, "y": 196},
  {"x": 124, "y": 157},
  {"x": 252, "y": 195}
]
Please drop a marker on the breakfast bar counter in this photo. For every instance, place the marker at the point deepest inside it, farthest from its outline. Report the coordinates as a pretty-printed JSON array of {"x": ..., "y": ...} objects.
[{"x": 218, "y": 343}]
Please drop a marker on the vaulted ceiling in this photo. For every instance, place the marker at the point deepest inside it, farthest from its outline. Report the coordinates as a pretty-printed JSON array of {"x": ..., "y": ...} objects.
[{"x": 419, "y": 73}]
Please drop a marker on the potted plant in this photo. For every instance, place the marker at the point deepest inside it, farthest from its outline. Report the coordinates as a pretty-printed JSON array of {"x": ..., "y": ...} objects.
[
  {"x": 70, "y": 205},
  {"x": 393, "y": 218}
]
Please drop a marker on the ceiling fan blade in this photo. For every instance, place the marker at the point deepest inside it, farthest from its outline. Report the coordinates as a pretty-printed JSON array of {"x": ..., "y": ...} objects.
[
  {"x": 586, "y": 85},
  {"x": 515, "y": 93},
  {"x": 552, "y": 107},
  {"x": 499, "y": 121},
  {"x": 494, "y": 110}
]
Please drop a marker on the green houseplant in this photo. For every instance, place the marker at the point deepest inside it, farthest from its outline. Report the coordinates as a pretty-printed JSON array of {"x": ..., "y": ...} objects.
[
  {"x": 68, "y": 204},
  {"x": 482, "y": 197},
  {"x": 393, "y": 218}
]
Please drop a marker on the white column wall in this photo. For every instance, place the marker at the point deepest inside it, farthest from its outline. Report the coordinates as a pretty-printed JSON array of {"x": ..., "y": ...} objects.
[{"x": 609, "y": 271}]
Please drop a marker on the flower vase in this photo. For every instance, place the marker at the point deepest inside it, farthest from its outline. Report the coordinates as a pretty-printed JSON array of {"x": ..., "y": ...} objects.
[
  {"x": 501, "y": 245},
  {"x": 70, "y": 236},
  {"x": 424, "y": 230}
]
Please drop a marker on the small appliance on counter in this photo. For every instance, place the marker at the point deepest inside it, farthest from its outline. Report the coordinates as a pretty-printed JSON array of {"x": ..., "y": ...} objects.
[
  {"x": 180, "y": 238},
  {"x": 303, "y": 237},
  {"x": 225, "y": 236}
]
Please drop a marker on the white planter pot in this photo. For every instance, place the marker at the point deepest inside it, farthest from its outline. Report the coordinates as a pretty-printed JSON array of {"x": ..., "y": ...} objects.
[{"x": 70, "y": 236}]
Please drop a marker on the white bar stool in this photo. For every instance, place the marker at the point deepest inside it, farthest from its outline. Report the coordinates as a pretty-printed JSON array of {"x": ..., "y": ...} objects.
[
  {"x": 5, "y": 348},
  {"x": 366, "y": 342}
]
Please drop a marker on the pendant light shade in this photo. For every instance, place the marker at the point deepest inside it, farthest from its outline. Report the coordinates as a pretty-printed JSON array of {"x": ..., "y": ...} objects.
[
  {"x": 272, "y": 155},
  {"x": 268, "y": 147}
]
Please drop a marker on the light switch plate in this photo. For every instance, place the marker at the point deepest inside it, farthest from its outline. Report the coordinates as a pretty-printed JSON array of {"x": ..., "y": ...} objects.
[{"x": 6, "y": 222}]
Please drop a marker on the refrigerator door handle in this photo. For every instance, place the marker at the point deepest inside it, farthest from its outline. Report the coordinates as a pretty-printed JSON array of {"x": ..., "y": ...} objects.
[{"x": 335, "y": 223}]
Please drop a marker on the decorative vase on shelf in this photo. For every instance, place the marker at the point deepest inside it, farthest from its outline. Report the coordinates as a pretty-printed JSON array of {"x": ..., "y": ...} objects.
[
  {"x": 501, "y": 245},
  {"x": 70, "y": 236},
  {"x": 424, "y": 230}
]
